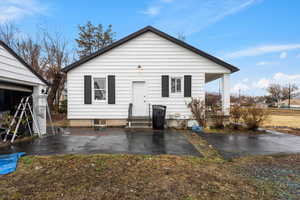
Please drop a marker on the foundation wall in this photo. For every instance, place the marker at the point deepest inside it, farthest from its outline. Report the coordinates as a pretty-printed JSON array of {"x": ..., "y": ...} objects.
[{"x": 90, "y": 122}]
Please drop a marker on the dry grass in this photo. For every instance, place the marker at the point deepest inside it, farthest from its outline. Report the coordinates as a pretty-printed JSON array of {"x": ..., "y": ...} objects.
[
  {"x": 126, "y": 177},
  {"x": 292, "y": 121},
  {"x": 287, "y": 112}
]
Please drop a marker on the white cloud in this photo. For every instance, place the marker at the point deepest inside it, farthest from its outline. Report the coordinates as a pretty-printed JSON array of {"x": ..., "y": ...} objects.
[
  {"x": 17, "y": 9},
  {"x": 261, "y": 50},
  {"x": 280, "y": 78},
  {"x": 259, "y": 87},
  {"x": 283, "y": 55},
  {"x": 286, "y": 78},
  {"x": 152, "y": 11},
  {"x": 240, "y": 87},
  {"x": 262, "y": 83},
  {"x": 194, "y": 15},
  {"x": 262, "y": 63}
]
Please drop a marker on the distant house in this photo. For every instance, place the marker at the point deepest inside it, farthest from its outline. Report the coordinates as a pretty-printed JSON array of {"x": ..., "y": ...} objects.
[
  {"x": 17, "y": 80},
  {"x": 145, "y": 68},
  {"x": 294, "y": 103}
]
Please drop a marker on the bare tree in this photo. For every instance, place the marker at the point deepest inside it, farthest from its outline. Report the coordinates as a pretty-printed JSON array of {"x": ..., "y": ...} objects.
[
  {"x": 9, "y": 34},
  {"x": 47, "y": 56},
  {"x": 280, "y": 93},
  {"x": 56, "y": 56},
  {"x": 31, "y": 52},
  {"x": 25, "y": 46},
  {"x": 275, "y": 91},
  {"x": 289, "y": 92}
]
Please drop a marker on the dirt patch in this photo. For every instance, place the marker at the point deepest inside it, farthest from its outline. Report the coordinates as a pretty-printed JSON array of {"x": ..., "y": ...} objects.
[
  {"x": 207, "y": 150},
  {"x": 126, "y": 177}
]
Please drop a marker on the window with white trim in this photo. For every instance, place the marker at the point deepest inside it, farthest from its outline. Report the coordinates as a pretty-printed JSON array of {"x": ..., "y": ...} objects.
[
  {"x": 99, "y": 89},
  {"x": 175, "y": 85}
]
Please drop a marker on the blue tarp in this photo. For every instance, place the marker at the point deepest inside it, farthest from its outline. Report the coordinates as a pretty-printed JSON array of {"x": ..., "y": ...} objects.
[
  {"x": 197, "y": 129},
  {"x": 8, "y": 162}
]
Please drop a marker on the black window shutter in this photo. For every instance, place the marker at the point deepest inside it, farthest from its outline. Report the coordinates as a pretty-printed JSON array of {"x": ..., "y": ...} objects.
[
  {"x": 165, "y": 86},
  {"x": 87, "y": 89},
  {"x": 187, "y": 86},
  {"x": 111, "y": 89}
]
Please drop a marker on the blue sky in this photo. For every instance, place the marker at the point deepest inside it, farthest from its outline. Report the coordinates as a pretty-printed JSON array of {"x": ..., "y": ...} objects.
[{"x": 261, "y": 37}]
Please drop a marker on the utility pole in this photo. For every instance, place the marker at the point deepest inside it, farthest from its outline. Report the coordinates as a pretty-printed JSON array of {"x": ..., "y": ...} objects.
[
  {"x": 220, "y": 97},
  {"x": 289, "y": 95},
  {"x": 239, "y": 97}
]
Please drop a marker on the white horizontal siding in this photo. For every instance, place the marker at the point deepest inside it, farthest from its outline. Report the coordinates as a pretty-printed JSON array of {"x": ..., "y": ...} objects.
[
  {"x": 11, "y": 68},
  {"x": 158, "y": 57}
]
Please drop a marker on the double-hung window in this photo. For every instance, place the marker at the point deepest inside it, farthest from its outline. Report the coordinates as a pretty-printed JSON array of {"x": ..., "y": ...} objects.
[
  {"x": 175, "y": 85},
  {"x": 99, "y": 89}
]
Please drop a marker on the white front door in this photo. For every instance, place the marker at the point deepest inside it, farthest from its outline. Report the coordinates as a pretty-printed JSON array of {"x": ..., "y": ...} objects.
[{"x": 139, "y": 98}]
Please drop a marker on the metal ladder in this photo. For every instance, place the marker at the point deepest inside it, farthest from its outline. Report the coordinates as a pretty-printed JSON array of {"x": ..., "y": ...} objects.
[{"x": 21, "y": 110}]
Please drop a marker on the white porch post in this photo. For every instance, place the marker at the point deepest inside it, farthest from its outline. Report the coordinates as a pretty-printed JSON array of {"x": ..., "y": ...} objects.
[{"x": 226, "y": 94}]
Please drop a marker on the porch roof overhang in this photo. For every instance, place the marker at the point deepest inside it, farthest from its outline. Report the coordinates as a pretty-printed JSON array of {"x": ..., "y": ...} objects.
[{"x": 212, "y": 76}]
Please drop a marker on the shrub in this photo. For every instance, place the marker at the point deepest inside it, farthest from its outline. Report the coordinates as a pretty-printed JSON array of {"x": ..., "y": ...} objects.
[
  {"x": 63, "y": 106},
  {"x": 236, "y": 114},
  {"x": 197, "y": 108},
  {"x": 253, "y": 117},
  {"x": 218, "y": 117},
  {"x": 7, "y": 118}
]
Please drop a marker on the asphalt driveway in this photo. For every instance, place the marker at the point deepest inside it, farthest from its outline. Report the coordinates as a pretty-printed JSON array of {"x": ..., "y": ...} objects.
[
  {"x": 111, "y": 141},
  {"x": 237, "y": 145}
]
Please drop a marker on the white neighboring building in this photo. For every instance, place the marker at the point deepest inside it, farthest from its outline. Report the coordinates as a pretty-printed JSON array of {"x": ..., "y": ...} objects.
[
  {"x": 145, "y": 68},
  {"x": 294, "y": 103},
  {"x": 17, "y": 80}
]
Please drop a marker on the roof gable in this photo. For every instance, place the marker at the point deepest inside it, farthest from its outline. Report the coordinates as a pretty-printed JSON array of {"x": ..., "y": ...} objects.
[
  {"x": 161, "y": 34},
  {"x": 18, "y": 58}
]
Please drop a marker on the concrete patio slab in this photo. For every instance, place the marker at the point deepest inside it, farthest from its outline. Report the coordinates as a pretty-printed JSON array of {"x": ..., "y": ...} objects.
[
  {"x": 237, "y": 145},
  {"x": 110, "y": 141}
]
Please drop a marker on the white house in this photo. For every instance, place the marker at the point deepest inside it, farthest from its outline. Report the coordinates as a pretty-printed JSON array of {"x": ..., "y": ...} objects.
[
  {"x": 145, "y": 68},
  {"x": 293, "y": 103},
  {"x": 17, "y": 80}
]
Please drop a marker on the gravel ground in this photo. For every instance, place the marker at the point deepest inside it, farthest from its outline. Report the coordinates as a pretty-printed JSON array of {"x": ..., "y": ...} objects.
[{"x": 281, "y": 173}]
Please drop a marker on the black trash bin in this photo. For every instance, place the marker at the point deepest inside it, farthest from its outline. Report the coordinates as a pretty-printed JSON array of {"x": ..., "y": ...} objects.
[{"x": 158, "y": 116}]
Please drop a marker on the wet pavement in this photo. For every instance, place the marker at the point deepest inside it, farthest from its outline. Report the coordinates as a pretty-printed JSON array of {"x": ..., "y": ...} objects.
[
  {"x": 237, "y": 145},
  {"x": 108, "y": 141}
]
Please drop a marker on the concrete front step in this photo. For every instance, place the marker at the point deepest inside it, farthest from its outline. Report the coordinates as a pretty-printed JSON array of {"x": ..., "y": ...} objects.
[
  {"x": 144, "y": 118},
  {"x": 139, "y": 127},
  {"x": 140, "y": 123}
]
